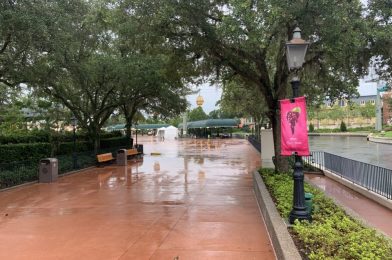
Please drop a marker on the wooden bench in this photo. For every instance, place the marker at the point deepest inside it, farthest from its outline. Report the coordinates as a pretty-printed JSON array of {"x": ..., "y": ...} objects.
[
  {"x": 105, "y": 158},
  {"x": 133, "y": 152}
]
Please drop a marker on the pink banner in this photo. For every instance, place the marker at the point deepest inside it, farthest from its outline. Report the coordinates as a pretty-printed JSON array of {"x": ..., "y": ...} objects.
[{"x": 294, "y": 132}]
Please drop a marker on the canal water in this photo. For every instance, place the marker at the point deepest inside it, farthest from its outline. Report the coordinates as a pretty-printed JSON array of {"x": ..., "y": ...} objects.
[{"x": 356, "y": 148}]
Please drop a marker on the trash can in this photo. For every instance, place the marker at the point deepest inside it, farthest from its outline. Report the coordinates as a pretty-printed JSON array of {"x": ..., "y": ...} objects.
[
  {"x": 139, "y": 148},
  {"x": 48, "y": 170},
  {"x": 121, "y": 158},
  {"x": 309, "y": 202}
]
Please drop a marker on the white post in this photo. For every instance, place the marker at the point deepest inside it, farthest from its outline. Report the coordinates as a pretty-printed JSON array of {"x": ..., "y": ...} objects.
[
  {"x": 184, "y": 125},
  {"x": 378, "y": 110}
]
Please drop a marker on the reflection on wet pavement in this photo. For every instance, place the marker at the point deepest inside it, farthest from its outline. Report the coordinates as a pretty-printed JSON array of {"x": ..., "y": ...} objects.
[
  {"x": 372, "y": 213},
  {"x": 194, "y": 201}
]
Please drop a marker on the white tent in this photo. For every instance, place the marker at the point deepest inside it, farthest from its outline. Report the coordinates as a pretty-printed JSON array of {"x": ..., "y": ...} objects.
[
  {"x": 171, "y": 133},
  {"x": 167, "y": 133},
  {"x": 161, "y": 132}
]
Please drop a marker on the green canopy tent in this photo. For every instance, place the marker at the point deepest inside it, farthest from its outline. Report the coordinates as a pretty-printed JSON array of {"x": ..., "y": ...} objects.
[{"x": 211, "y": 127}]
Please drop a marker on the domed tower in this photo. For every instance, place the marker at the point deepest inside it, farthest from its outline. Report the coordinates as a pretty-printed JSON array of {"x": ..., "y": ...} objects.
[{"x": 199, "y": 101}]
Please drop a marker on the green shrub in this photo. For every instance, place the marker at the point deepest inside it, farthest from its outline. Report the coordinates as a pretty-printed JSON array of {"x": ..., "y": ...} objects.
[
  {"x": 68, "y": 148},
  {"x": 24, "y": 152},
  {"x": 113, "y": 142},
  {"x": 311, "y": 128},
  {"x": 343, "y": 127},
  {"x": 16, "y": 173},
  {"x": 332, "y": 234},
  {"x": 82, "y": 136},
  {"x": 29, "y": 137}
]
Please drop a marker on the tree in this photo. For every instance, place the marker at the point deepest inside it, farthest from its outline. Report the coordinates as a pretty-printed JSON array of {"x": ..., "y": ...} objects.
[
  {"x": 154, "y": 77},
  {"x": 243, "y": 101},
  {"x": 221, "y": 114},
  {"x": 22, "y": 27},
  {"x": 247, "y": 39},
  {"x": 368, "y": 111},
  {"x": 78, "y": 67},
  {"x": 197, "y": 114},
  {"x": 146, "y": 86},
  {"x": 379, "y": 18}
]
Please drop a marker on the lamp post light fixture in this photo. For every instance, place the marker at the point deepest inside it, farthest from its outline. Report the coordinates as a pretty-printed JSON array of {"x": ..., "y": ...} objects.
[
  {"x": 295, "y": 52},
  {"x": 74, "y": 157}
]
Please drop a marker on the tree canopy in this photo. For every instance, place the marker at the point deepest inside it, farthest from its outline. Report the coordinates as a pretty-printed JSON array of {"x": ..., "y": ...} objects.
[{"x": 247, "y": 38}]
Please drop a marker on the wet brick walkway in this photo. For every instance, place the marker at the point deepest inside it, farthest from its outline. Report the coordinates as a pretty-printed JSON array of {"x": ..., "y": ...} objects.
[{"x": 194, "y": 201}]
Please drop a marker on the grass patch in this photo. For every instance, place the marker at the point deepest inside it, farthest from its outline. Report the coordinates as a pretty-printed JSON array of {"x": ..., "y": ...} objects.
[
  {"x": 384, "y": 134},
  {"x": 332, "y": 234},
  {"x": 337, "y": 130}
]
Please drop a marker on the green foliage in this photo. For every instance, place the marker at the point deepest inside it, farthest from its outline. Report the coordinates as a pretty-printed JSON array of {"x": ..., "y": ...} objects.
[
  {"x": 197, "y": 114},
  {"x": 12, "y": 174},
  {"x": 311, "y": 128},
  {"x": 26, "y": 137},
  {"x": 332, "y": 234},
  {"x": 114, "y": 142},
  {"x": 243, "y": 99},
  {"x": 24, "y": 152},
  {"x": 368, "y": 110},
  {"x": 46, "y": 137},
  {"x": 68, "y": 148},
  {"x": 343, "y": 127}
]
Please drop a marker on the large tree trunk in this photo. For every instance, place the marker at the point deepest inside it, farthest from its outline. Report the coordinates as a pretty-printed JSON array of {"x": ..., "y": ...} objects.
[
  {"x": 281, "y": 163},
  {"x": 128, "y": 133},
  {"x": 95, "y": 138}
]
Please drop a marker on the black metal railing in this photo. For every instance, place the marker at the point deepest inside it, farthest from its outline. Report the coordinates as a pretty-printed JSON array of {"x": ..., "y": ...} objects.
[
  {"x": 255, "y": 142},
  {"x": 15, "y": 173},
  {"x": 83, "y": 159},
  {"x": 372, "y": 177},
  {"x": 315, "y": 159}
]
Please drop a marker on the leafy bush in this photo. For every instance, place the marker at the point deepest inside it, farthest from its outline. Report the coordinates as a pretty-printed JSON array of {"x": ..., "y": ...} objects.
[
  {"x": 68, "y": 148},
  {"x": 82, "y": 136},
  {"x": 311, "y": 128},
  {"x": 40, "y": 136},
  {"x": 114, "y": 142},
  {"x": 343, "y": 127},
  {"x": 12, "y": 174},
  {"x": 332, "y": 234},
  {"x": 29, "y": 137},
  {"x": 24, "y": 152}
]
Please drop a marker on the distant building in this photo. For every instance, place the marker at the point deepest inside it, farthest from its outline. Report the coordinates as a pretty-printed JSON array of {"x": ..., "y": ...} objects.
[
  {"x": 247, "y": 122},
  {"x": 361, "y": 100}
]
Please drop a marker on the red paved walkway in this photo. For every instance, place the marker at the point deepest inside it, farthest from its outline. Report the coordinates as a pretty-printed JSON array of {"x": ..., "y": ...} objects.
[
  {"x": 371, "y": 212},
  {"x": 195, "y": 201}
]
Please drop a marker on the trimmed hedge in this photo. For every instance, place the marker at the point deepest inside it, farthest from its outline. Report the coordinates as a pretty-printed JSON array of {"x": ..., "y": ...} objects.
[
  {"x": 36, "y": 151},
  {"x": 67, "y": 148},
  {"x": 46, "y": 137},
  {"x": 12, "y": 174},
  {"x": 114, "y": 142},
  {"x": 24, "y": 152},
  {"x": 31, "y": 137},
  {"x": 332, "y": 234}
]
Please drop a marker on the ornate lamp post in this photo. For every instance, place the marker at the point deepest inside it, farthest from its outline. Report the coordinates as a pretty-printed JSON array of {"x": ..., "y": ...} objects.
[
  {"x": 74, "y": 157},
  {"x": 295, "y": 52}
]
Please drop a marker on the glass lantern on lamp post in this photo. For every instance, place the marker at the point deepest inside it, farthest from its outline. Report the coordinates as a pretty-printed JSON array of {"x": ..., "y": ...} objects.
[{"x": 295, "y": 52}]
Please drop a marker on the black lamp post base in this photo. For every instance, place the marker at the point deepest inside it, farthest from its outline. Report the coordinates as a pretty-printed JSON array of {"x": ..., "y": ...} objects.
[{"x": 300, "y": 214}]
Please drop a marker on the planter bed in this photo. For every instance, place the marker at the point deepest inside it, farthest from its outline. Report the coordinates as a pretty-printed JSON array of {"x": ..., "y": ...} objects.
[{"x": 332, "y": 234}]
